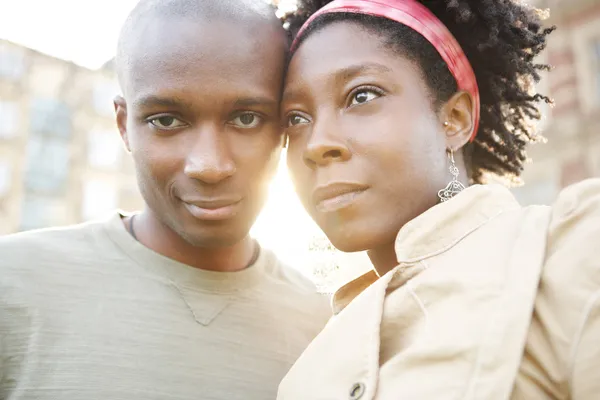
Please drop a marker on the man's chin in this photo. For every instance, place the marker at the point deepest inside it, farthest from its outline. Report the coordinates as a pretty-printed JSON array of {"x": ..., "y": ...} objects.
[{"x": 216, "y": 236}]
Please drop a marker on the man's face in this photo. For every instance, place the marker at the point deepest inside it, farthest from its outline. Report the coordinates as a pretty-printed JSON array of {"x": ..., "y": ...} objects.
[{"x": 200, "y": 117}]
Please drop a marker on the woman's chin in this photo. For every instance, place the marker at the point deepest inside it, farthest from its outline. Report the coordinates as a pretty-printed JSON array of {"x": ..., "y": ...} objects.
[{"x": 347, "y": 241}]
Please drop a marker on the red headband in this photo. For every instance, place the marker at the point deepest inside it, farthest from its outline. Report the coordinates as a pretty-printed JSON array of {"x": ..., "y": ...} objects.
[{"x": 419, "y": 18}]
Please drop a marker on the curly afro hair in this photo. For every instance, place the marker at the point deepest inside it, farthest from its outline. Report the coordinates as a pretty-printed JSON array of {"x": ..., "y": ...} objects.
[{"x": 501, "y": 39}]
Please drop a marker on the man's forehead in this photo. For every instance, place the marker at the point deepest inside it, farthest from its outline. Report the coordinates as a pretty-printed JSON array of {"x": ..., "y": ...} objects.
[
  {"x": 157, "y": 88},
  {"x": 254, "y": 14},
  {"x": 213, "y": 47},
  {"x": 167, "y": 31},
  {"x": 177, "y": 32},
  {"x": 207, "y": 63}
]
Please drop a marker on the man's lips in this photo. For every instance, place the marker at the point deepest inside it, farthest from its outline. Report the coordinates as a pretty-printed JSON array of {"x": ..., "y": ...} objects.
[{"x": 213, "y": 209}]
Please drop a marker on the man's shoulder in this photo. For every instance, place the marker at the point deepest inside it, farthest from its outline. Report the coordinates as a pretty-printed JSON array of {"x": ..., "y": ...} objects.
[
  {"x": 47, "y": 245},
  {"x": 285, "y": 274},
  {"x": 297, "y": 294},
  {"x": 46, "y": 237}
]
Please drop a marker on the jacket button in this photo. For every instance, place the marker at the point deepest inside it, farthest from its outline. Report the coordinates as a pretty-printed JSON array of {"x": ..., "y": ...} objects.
[{"x": 357, "y": 391}]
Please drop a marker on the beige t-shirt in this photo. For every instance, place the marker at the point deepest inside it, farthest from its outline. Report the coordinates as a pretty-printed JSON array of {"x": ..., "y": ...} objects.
[{"x": 87, "y": 312}]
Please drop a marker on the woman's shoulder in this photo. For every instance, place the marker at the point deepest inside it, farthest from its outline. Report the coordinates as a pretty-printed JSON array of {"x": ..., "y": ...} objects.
[
  {"x": 574, "y": 229},
  {"x": 581, "y": 200},
  {"x": 572, "y": 256},
  {"x": 566, "y": 323}
]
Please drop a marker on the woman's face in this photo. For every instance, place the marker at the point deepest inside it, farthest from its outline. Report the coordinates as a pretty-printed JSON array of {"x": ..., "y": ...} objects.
[{"x": 367, "y": 151}]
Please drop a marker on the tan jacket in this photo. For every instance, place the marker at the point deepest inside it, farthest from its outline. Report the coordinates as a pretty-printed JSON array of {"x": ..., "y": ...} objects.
[{"x": 490, "y": 300}]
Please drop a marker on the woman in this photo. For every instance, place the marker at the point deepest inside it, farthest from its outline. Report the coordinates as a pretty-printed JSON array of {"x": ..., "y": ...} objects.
[{"x": 397, "y": 111}]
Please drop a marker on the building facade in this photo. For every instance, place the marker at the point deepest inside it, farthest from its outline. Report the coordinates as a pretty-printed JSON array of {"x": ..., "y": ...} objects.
[
  {"x": 61, "y": 157},
  {"x": 572, "y": 126}
]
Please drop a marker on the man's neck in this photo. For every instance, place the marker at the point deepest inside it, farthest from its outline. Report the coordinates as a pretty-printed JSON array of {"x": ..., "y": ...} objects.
[{"x": 153, "y": 234}]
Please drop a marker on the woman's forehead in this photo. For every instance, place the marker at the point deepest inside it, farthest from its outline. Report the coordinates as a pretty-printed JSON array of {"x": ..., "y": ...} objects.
[{"x": 341, "y": 51}]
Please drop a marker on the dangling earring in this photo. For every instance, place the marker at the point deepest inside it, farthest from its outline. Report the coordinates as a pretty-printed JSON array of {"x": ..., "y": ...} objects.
[{"x": 454, "y": 187}]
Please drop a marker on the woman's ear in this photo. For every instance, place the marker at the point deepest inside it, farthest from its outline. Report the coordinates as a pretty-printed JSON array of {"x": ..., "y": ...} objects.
[{"x": 458, "y": 119}]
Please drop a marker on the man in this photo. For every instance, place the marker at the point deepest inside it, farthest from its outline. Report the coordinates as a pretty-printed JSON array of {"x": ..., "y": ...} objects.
[{"x": 176, "y": 302}]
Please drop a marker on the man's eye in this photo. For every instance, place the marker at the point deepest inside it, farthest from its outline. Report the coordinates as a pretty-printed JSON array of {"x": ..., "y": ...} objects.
[
  {"x": 166, "y": 122},
  {"x": 364, "y": 96},
  {"x": 247, "y": 120},
  {"x": 296, "y": 119}
]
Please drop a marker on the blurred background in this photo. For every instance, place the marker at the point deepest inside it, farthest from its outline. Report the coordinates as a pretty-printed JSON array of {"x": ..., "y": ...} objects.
[{"x": 62, "y": 161}]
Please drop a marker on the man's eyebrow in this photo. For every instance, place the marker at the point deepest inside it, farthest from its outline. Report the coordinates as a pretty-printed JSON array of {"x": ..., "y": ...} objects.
[
  {"x": 256, "y": 101},
  {"x": 173, "y": 102},
  {"x": 158, "y": 101}
]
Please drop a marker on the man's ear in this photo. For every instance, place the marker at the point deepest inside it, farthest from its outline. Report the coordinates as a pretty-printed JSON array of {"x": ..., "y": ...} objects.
[
  {"x": 457, "y": 116},
  {"x": 121, "y": 115}
]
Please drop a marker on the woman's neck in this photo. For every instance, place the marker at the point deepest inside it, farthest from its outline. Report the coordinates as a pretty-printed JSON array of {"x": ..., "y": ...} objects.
[{"x": 383, "y": 258}]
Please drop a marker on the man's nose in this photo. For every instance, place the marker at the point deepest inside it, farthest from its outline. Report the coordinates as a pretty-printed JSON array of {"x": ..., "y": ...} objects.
[{"x": 209, "y": 158}]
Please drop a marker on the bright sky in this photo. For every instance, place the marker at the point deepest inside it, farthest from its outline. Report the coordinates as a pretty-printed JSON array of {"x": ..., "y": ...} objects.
[{"x": 85, "y": 32}]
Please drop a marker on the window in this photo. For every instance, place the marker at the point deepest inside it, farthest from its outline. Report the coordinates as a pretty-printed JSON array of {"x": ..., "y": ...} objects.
[
  {"x": 50, "y": 117},
  {"x": 47, "y": 164},
  {"x": 104, "y": 149},
  {"x": 9, "y": 119},
  {"x": 41, "y": 212},
  {"x": 48, "y": 150},
  {"x": 12, "y": 62},
  {"x": 5, "y": 178},
  {"x": 99, "y": 198}
]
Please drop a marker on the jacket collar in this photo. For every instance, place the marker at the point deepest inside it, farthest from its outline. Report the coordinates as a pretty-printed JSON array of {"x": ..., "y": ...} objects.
[{"x": 436, "y": 231}]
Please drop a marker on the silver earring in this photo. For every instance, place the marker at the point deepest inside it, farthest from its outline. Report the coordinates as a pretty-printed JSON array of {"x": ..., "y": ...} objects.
[{"x": 454, "y": 187}]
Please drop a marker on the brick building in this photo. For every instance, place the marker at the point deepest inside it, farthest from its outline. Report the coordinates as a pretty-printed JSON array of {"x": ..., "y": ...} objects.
[
  {"x": 61, "y": 159},
  {"x": 572, "y": 126}
]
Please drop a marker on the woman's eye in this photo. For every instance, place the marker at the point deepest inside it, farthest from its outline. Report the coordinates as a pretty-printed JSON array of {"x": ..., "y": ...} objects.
[
  {"x": 166, "y": 122},
  {"x": 247, "y": 120},
  {"x": 296, "y": 119},
  {"x": 364, "y": 96}
]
